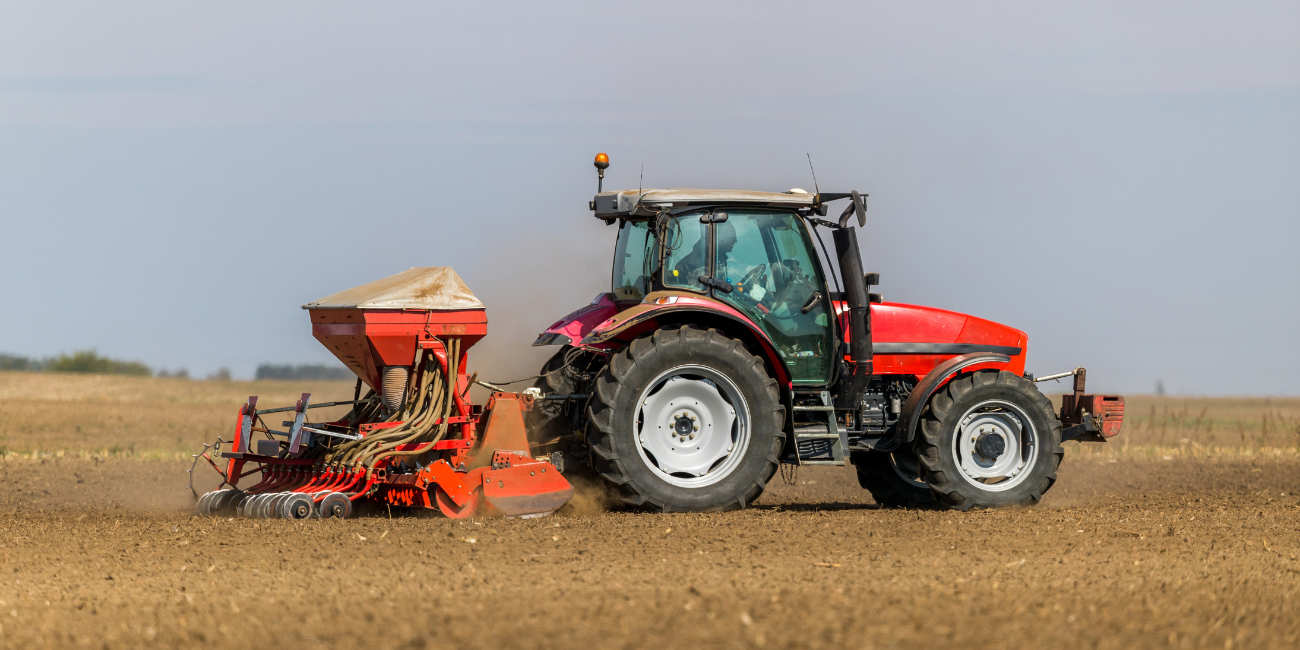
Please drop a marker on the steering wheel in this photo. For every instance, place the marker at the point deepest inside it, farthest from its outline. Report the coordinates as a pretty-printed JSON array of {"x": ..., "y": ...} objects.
[{"x": 755, "y": 274}]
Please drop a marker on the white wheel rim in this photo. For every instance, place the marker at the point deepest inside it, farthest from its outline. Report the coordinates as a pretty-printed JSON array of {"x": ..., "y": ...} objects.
[
  {"x": 973, "y": 440},
  {"x": 692, "y": 426}
]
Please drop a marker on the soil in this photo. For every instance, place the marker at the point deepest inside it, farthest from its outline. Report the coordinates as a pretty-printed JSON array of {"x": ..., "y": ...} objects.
[{"x": 1123, "y": 553}]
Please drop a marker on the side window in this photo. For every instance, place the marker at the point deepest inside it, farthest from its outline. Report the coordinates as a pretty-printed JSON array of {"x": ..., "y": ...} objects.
[
  {"x": 686, "y": 252},
  {"x": 766, "y": 257},
  {"x": 634, "y": 261}
]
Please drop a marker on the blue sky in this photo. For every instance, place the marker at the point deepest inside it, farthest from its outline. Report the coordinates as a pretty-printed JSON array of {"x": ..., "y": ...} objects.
[{"x": 1120, "y": 180}]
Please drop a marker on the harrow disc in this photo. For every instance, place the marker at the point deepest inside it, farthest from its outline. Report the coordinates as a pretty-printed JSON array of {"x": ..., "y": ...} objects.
[
  {"x": 246, "y": 507},
  {"x": 270, "y": 509},
  {"x": 258, "y": 508},
  {"x": 335, "y": 505},
  {"x": 297, "y": 506},
  {"x": 220, "y": 504},
  {"x": 453, "y": 511},
  {"x": 236, "y": 505},
  {"x": 202, "y": 505},
  {"x": 211, "y": 503}
]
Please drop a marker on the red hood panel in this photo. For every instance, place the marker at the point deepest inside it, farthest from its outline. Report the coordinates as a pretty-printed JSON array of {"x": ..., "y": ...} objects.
[
  {"x": 897, "y": 323},
  {"x": 901, "y": 323}
]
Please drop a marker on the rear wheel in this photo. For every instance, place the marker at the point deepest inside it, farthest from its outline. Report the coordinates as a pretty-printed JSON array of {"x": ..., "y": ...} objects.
[
  {"x": 893, "y": 479},
  {"x": 686, "y": 420},
  {"x": 989, "y": 439}
]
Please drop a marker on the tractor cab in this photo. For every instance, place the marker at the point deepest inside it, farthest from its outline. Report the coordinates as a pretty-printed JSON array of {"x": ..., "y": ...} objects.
[{"x": 750, "y": 251}]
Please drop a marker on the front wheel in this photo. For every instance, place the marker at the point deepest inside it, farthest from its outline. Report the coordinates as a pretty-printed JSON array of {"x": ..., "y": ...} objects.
[
  {"x": 686, "y": 420},
  {"x": 989, "y": 439}
]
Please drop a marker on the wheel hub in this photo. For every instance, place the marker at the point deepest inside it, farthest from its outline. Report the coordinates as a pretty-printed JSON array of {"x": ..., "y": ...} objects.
[
  {"x": 990, "y": 445},
  {"x": 684, "y": 426}
]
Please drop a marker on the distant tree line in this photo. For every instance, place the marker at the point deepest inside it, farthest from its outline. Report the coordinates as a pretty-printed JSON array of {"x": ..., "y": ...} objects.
[
  {"x": 303, "y": 372},
  {"x": 82, "y": 361},
  {"x": 91, "y": 362}
]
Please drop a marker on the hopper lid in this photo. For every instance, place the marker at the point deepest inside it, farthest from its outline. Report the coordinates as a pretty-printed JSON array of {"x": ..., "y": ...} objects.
[{"x": 431, "y": 287}]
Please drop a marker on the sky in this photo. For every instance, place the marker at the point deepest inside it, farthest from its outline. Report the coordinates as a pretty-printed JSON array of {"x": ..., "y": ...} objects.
[{"x": 1119, "y": 180}]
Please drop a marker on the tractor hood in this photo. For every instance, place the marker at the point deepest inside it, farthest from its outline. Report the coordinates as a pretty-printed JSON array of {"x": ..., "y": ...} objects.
[{"x": 911, "y": 339}]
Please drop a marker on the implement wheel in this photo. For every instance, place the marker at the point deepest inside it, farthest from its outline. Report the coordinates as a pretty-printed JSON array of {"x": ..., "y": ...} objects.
[
  {"x": 686, "y": 420},
  {"x": 893, "y": 479},
  {"x": 297, "y": 506},
  {"x": 989, "y": 439},
  {"x": 335, "y": 505}
]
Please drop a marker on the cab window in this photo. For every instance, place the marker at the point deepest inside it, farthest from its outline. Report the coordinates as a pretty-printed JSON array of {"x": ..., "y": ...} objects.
[
  {"x": 686, "y": 252},
  {"x": 634, "y": 261}
]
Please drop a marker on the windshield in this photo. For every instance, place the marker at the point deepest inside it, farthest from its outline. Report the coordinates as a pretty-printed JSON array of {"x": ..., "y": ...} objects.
[{"x": 634, "y": 261}]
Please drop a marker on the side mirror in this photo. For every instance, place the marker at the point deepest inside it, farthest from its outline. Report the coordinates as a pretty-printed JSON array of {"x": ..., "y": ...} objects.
[
  {"x": 860, "y": 208},
  {"x": 873, "y": 279}
]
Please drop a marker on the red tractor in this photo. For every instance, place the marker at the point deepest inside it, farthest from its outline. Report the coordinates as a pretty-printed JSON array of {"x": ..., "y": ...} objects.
[
  {"x": 720, "y": 353},
  {"x": 722, "y": 350}
]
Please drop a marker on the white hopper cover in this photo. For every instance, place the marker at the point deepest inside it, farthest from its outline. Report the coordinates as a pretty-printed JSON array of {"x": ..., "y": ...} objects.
[{"x": 433, "y": 287}]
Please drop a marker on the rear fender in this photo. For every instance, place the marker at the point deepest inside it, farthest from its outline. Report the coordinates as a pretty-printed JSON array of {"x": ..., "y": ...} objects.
[
  {"x": 672, "y": 307},
  {"x": 942, "y": 374}
]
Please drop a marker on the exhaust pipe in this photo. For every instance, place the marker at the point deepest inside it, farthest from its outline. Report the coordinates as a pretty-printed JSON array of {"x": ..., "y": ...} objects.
[{"x": 858, "y": 373}]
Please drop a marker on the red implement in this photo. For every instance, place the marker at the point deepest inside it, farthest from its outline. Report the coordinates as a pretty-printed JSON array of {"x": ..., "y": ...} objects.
[{"x": 421, "y": 445}]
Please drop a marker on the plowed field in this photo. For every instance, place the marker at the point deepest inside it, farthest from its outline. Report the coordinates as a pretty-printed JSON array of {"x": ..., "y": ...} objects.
[{"x": 1123, "y": 553}]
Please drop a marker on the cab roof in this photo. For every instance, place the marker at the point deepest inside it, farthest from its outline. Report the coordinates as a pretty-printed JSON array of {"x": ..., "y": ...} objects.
[{"x": 644, "y": 203}]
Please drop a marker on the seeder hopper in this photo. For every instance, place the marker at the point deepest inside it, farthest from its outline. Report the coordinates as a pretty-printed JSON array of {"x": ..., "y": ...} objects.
[{"x": 414, "y": 439}]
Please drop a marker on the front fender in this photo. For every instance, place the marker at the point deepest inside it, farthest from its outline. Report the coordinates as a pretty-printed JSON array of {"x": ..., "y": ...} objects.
[
  {"x": 920, "y": 396},
  {"x": 683, "y": 307}
]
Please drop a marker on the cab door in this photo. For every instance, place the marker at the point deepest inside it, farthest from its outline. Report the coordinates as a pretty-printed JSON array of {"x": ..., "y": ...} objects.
[{"x": 768, "y": 259}]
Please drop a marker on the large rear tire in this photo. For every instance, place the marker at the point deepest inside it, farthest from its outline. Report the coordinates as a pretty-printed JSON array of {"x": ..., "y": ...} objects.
[
  {"x": 989, "y": 439},
  {"x": 893, "y": 479},
  {"x": 686, "y": 420}
]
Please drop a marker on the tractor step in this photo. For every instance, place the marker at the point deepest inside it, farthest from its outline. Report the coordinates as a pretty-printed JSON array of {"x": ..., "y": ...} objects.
[{"x": 819, "y": 442}]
